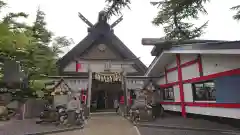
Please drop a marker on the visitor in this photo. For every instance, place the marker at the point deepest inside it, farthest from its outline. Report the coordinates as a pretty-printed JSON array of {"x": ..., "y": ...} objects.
[
  {"x": 156, "y": 106},
  {"x": 72, "y": 106},
  {"x": 116, "y": 105}
]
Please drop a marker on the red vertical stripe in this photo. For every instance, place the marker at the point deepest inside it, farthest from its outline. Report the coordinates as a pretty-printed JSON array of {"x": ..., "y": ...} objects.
[
  {"x": 82, "y": 94},
  {"x": 200, "y": 68},
  {"x": 178, "y": 59},
  {"x": 76, "y": 66}
]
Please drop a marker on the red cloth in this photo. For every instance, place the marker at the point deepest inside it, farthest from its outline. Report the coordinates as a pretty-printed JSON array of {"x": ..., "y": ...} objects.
[
  {"x": 84, "y": 97},
  {"x": 78, "y": 66},
  {"x": 122, "y": 100}
]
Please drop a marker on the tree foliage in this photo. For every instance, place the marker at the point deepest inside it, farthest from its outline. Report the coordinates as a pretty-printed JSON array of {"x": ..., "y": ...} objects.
[
  {"x": 237, "y": 15},
  {"x": 32, "y": 45},
  {"x": 114, "y": 6},
  {"x": 173, "y": 15}
]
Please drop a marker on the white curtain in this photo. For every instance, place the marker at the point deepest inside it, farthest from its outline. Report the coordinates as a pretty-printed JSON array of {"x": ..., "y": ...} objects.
[
  {"x": 77, "y": 84},
  {"x": 134, "y": 84}
]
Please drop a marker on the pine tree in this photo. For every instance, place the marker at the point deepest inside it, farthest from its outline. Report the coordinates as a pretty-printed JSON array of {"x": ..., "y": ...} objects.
[
  {"x": 237, "y": 15},
  {"x": 172, "y": 16},
  {"x": 40, "y": 32}
]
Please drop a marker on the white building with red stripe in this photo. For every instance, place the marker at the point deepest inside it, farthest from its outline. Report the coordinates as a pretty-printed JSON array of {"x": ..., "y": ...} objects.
[{"x": 198, "y": 76}]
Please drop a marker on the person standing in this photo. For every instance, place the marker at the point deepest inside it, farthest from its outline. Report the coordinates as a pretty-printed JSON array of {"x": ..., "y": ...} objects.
[
  {"x": 116, "y": 105},
  {"x": 156, "y": 105},
  {"x": 72, "y": 106}
]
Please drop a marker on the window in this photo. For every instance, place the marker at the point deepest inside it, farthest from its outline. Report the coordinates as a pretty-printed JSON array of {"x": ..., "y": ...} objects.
[
  {"x": 204, "y": 91},
  {"x": 168, "y": 93}
]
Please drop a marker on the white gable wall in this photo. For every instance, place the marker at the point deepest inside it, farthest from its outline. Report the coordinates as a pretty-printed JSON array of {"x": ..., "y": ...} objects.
[
  {"x": 99, "y": 66},
  {"x": 211, "y": 64},
  {"x": 161, "y": 81},
  {"x": 218, "y": 63},
  {"x": 190, "y": 71}
]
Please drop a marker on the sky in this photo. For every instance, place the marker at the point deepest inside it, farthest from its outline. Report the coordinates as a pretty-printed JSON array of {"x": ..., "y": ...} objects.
[{"x": 62, "y": 19}]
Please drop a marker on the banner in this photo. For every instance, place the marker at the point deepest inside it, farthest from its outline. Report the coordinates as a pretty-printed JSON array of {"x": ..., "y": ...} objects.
[{"x": 108, "y": 77}]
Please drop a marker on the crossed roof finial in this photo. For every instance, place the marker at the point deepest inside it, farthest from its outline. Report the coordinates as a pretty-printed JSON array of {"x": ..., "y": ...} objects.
[{"x": 102, "y": 17}]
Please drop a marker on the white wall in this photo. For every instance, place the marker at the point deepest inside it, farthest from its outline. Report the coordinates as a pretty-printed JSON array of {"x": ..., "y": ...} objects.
[
  {"x": 161, "y": 81},
  {"x": 99, "y": 66},
  {"x": 176, "y": 93},
  {"x": 211, "y": 64},
  {"x": 70, "y": 67},
  {"x": 176, "y": 108},
  {"x": 188, "y": 94},
  {"x": 172, "y": 76},
  {"x": 218, "y": 63},
  {"x": 77, "y": 84},
  {"x": 172, "y": 64},
  {"x": 222, "y": 112},
  {"x": 187, "y": 57},
  {"x": 189, "y": 71}
]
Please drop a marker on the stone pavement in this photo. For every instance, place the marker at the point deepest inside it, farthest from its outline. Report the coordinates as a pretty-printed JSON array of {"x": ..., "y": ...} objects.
[
  {"x": 29, "y": 127},
  {"x": 164, "y": 131},
  {"x": 178, "y": 122},
  {"x": 105, "y": 125}
]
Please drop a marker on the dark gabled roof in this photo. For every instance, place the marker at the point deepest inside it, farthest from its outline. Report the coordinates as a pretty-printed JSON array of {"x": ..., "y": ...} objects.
[
  {"x": 101, "y": 30},
  {"x": 160, "y": 45},
  {"x": 62, "y": 81}
]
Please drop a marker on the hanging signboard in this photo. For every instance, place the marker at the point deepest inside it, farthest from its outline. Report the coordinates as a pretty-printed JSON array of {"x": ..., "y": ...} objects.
[{"x": 107, "y": 77}]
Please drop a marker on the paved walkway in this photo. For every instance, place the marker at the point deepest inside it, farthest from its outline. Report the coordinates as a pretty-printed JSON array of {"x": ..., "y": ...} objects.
[
  {"x": 176, "y": 125},
  {"x": 164, "y": 131},
  {"x": 105, "y": 125},
  {"x": 172, "y": 121}
]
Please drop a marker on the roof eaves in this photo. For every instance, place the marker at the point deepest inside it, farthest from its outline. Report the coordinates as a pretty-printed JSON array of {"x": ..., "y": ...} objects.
[
  {"x": 127, "y": 52},
  {"x": 78, "y": 49},
  {"x": 212, "y": 44}
]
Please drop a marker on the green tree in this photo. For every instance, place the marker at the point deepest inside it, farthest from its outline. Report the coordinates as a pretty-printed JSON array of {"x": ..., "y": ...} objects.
[
  {"x": 44, "y": 50},
  {"x": 32, "y": 45},
  {"x": 172, "y": 16},
  {"x": 40, "y": 32}
]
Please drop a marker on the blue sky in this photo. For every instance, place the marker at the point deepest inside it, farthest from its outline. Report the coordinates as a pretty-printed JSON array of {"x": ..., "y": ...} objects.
[{"x": 62, "y": 18}]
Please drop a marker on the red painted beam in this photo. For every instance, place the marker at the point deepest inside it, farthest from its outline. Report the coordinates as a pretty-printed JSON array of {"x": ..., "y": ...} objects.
[
  {"x": 178, "y": 59},
  {"x": 205, "y": 104},
  {"x": 205, "y": 78},
  {"x": 212, "y": 76},
  {"x": 168, "y": 85},
  {"x": 183, "y": 65},
  {"x": 171, "y": 69},
  {"x": 218, "y": 105},
  {"x": 189, "y": 63},
  {"x": 200, "y": 67}
]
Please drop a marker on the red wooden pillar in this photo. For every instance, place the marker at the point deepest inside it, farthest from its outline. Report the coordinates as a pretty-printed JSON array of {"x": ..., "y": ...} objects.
[
  {"x": 180, "y": 80},
  {"x": 200, "y": 68},
  {"x": 86, "y": 95}
]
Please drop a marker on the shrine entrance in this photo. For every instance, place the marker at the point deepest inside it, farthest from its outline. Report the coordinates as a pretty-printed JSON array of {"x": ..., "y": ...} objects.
[{"x": 105, "y": 90}]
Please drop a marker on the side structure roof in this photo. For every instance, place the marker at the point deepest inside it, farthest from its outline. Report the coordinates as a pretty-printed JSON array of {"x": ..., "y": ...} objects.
[{"x": 189, "y": 46}]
